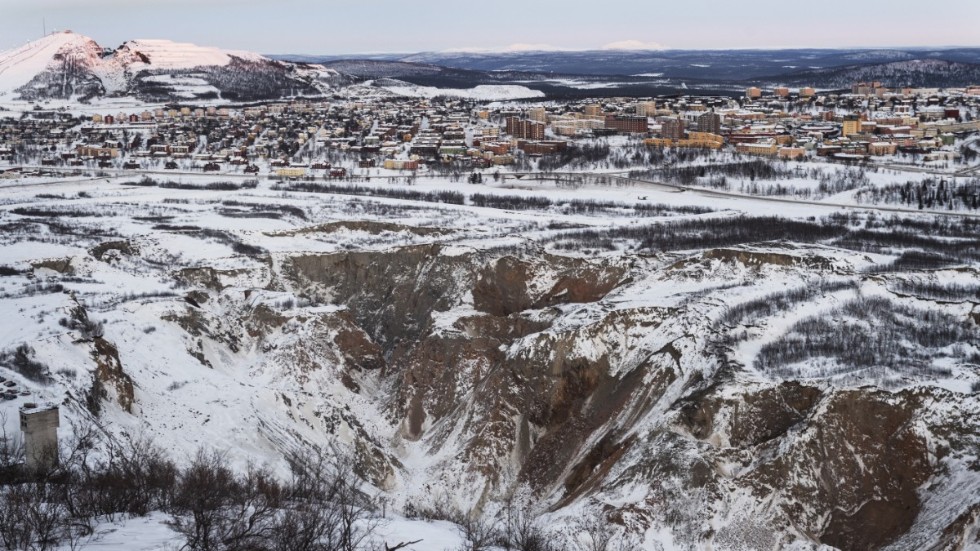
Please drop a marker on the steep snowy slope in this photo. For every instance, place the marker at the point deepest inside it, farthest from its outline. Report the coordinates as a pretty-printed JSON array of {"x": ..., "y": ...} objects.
[
  {"x": 170, "y": 55},
  {"x": 72, "y": 55},
  {"x": 67, "y": 65}
]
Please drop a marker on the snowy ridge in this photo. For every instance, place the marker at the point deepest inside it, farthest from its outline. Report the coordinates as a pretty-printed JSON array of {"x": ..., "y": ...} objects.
[
  {"x": 20, "y": 66},
  {"x": 68, "y": 65},
  {"x": 170, "y": 55}
]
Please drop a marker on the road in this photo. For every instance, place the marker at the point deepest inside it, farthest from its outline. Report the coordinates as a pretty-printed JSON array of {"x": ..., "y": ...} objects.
[
  {"x": 786, "y": 200},
  {"x": 530, "y": 176}
]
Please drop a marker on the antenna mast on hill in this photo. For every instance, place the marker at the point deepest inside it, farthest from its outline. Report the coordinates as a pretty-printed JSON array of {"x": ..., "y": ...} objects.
[{"x": 44, "y": 26}]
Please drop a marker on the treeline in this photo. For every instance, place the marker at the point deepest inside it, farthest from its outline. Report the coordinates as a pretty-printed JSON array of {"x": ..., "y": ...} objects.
[
  {"x": 449, "y": 197},
  {"x": 936, "y": 290},
  {"x": 916, "y": 260},
  {"x": 45, "y": 212},
  {"x": 927, "y": 194},
  {"x": 575, "y": 155},
  {"x": 578, "y": 206},
  {"x": 752, "y": 170},
  {"x": 706, "y": 233},
  {"x": 211, "y": 506},
  {"x": 761, "y": 177},
  {"x": 871, "y": 333},
  {"x": 918, "y": 244},
  {"x": 261, "y": 210},
  {"x": 937, "y": 226},
  {"x": 900, "y": 241},
  {"x": 321, "y": 505},
  {"x": 782, "y": 301},
  {"x": 210, "y": 186}
]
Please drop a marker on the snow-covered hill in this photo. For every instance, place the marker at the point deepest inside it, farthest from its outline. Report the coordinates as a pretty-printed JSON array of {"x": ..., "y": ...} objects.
[
  {"x": 71, "y": 54},
  {"x": 926, "y": 73},
  {"x": 69, "y": 65}
]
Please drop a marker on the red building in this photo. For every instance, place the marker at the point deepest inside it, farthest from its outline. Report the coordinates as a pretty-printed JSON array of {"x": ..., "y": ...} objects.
[
  {"x": 523, "y": 129},
  {"x": 627, "y": 123}
]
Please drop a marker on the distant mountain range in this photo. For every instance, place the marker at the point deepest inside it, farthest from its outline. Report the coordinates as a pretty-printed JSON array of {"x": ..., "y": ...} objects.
[
  {"x": 915, "y": 73},
  {"x": 68, "y": 65},
  {"x": 724, "y": 65}
]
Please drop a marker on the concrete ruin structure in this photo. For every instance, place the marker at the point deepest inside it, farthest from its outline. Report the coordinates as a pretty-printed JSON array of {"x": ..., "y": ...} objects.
[{"x": 39, "y": 423}]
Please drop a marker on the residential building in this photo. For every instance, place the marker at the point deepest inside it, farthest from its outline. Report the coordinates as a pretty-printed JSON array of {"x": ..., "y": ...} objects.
[
  {"x": 593, "y": 110},
  {"x": 646, "y": 108},
  {"x": 672, "y": 129},
  {"x": 709, "y": 122},
  {"x": 627, "y": 124},
  {"x": 852, "y": 125},
  {"x": 769, "y": 148},
  {"x": 523, "y": 129}
]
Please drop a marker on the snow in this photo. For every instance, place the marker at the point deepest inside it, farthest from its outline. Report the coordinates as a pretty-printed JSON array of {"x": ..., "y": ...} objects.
[
  {"x": 18, "y": 66},
  {"x": 151, "y": 533},
  {"x": 280, "y": 385},
  {"x": 169, "y": 55},
  {"x": 484, "y": 92},
  {"x": 185, "y": 86}
]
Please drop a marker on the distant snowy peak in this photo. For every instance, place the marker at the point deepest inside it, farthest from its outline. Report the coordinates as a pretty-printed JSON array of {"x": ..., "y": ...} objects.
[{"x": 170, "y": 55}]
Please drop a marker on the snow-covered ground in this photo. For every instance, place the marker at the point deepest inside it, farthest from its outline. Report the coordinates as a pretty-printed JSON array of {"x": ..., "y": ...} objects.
[
  {"x": 483, "y": 92},
  {"x": 232, "y": 350}
]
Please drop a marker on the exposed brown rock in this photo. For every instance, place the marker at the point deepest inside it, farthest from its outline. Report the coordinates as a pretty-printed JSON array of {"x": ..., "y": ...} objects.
[
  {"x": 60, "y": 265},
  {"x": 852, "y": 480},
  {"x": 358, "y": 349},
  {"x": 502, "y": 288},
  {"x": 124, "y": 248},
  {"x": 109, "y": 372}
]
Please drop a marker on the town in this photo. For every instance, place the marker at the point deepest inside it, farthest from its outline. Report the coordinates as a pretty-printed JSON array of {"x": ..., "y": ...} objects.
[{"x": 902, "y": 129}]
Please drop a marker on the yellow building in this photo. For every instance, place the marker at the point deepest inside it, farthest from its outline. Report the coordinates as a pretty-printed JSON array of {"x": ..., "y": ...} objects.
[
  {"x": 646, "y": 108},
  {"x": 852, "y": 125},
  {"x": 593, "y": 110},
  {"x": 291, "y": 172},
  {"x": 694, "y": 140},
  {"x": 753, "y": 93},
  {"x": 761, "y": 148}
]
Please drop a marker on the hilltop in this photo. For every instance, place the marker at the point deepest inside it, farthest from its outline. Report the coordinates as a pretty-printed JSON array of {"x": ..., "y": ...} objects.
[{"x": 68, "y": 65}]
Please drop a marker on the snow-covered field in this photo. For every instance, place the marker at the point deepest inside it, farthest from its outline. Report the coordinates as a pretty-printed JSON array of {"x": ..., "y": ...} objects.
[{"x": 483, "y": 92}]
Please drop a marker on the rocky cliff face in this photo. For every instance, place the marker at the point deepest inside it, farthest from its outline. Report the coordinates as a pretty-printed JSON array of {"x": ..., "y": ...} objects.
[{"x": 605, "y": 385}]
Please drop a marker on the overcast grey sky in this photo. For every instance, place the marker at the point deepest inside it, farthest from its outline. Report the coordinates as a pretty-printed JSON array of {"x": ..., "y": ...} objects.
[{"x": 345, "y": 26}]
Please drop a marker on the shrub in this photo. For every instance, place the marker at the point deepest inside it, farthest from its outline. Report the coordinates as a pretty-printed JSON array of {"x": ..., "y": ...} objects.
[{"x": 22, "y": 360}]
